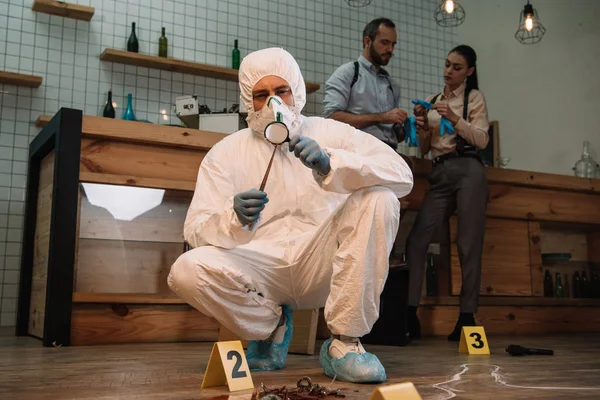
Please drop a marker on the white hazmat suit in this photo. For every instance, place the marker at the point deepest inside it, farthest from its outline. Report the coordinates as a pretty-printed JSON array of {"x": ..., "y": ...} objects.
[{"x": 320, "y": 241}]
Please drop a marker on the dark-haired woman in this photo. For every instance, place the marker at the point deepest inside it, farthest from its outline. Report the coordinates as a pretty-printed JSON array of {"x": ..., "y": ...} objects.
[{"x": 457, "y": 183}]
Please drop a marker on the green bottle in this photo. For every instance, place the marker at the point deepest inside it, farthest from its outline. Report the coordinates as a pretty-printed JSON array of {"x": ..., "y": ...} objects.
[
  {"x": 162, "y": 44},
  {"x": 558, "y": 291},
  {"x": 235, "y": 56},
  {"x": 132, "y": 44}
]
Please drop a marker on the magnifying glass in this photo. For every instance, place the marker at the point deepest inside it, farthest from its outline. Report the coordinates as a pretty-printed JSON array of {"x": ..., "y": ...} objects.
[{"x": 276, "y": 133}]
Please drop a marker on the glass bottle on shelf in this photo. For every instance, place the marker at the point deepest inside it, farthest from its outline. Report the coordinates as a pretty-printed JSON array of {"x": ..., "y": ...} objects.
[
  {"x": 163, "y": 44},
  {"x": 558, "y": 291},
  {"x": 548, "y": 286},
  {"x": 235, "y": 56},
  {"x": 133, "y": 44},
  {"x": 584, "y": 285},
  {"x": 576, "y": 285},
  {"x": 566, "y": 287},
  {"x": 586, "y": 166},
  {"x": 594, "y": 283},
  {"x": 109, "y": 109},
  {"x": 128, "y": 114}
]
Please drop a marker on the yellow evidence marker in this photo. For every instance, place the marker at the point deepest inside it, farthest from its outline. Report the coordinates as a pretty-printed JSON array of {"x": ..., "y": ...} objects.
[
  {"x": 228, "y": 365},
  {"x": 404, "y": 391},
  {"x": 473, "y": 340}
]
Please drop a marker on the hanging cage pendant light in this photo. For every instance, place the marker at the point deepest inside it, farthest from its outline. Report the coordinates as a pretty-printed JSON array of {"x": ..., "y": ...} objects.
[
  {"x": 449, "y": 13},
  {"x": 530, "y": 29},
  {"x": 358, "y": 3}
]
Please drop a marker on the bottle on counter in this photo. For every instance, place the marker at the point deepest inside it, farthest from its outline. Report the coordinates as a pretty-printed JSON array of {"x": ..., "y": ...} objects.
[
  {"x": 576, "y": 285},
  {"x": 584, "y": 285},
  {"x": 558, "y": 289},
  {"x": 128, "y": 114},
  {"x": 109, "y": 109},
  {"x": 133, "y": 44},
  {"x": 235, "y": 56},
  {"x": 548, "y": 286},
  {"x": 594, "y": 283},
  {"x": 163, "y": 44},
  {"x": 586, "y": 166}
]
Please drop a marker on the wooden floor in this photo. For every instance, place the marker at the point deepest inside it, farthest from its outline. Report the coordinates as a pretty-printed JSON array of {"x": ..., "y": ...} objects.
[{"x": 174, "y": 371}]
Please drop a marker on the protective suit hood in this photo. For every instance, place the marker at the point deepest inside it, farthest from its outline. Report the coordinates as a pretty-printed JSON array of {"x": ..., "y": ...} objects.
[{"x": 272, "y": 61}]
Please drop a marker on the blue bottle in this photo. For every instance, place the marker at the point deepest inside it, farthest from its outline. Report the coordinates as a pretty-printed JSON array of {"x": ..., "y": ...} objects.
[{"x": 128, "y": 113}]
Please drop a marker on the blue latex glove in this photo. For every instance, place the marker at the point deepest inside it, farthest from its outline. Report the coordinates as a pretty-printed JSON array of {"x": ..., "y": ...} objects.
[
  {"x": 445, "y": 125},
  {"x": 410, "y": 132},
  {"x": 310, "y": 154},
  {"x": 427, "y": 105},
  {"x": 248, "y": 205},
  {"x": 269, "y": 356},
  {"x": 353, "y": 367}
]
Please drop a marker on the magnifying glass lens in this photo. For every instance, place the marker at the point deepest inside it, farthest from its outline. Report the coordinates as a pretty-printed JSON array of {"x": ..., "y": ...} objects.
[{"x": 277, "y": 133}]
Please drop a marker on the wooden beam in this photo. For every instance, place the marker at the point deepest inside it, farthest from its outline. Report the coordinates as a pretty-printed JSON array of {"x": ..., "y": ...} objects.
[
  {"x": 12, "y": 78},
  {"x": 140, "y": 132},
  {"x": 497, "y": 177},
  {"x": 529, "y": 203},
  {"x": 63, "y": 9},
  {"x": 513, "y": 320},
  {"x": 422, "y": 168},
  {"x": 125, "y": 298},
  {"x": 185, "y": 67},
  {"x": 516, "y": 301},
  {"x": 140, "y": 160},
  {"x": 140, "y": 323},
  {"x": 113, "y": 179},
  {"x": 535, "y": 204},
  {"x": 543, "y": 180}
]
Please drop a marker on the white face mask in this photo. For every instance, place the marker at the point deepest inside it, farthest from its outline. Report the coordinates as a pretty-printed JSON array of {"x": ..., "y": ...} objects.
[{"x": 274, "y": 110}]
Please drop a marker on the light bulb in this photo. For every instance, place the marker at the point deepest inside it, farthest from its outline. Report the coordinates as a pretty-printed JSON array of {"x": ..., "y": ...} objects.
[
  {"x": 449, "y": 6},
  {"x": 529, "y": 23}
]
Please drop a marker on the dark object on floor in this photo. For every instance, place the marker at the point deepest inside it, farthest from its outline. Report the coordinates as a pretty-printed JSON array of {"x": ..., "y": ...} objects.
[
  {"x": 304, "y": 390},
  {"x": 391, "y": 327},
  {"x": 516, "y": 350},
  {"x": 464, "y": 319}
]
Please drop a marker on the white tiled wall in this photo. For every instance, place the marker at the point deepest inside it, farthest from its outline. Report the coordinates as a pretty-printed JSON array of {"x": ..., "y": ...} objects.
[{"x": 321, "y": 34}]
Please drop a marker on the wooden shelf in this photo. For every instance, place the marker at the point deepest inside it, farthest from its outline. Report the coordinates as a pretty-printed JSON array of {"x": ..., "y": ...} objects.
[
  {"x": 154, "y": 134},
  {"x": 125, "y": 298},
  {"x": 12, "y": 78},
  {"x": 513, "y": 301},
  {"x": 185, "y": 67},
  {"x": 63, "y": 9}
]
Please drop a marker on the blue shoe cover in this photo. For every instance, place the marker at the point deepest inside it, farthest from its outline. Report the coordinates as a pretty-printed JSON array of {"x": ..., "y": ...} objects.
[
  {"x": 269, "y": 356},
  {"x": 353, "y": 367}
]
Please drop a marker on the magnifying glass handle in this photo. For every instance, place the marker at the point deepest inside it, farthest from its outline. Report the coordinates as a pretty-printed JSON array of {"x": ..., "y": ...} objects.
[{"x": 264, "y": 181}]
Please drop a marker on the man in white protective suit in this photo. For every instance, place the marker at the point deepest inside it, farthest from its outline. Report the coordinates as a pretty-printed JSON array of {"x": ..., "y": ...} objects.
[{"x": 320, "y": 233}]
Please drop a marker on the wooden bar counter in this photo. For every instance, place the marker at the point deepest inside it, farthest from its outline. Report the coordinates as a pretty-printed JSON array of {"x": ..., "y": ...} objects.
[{"x": 106, "y": 202}]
